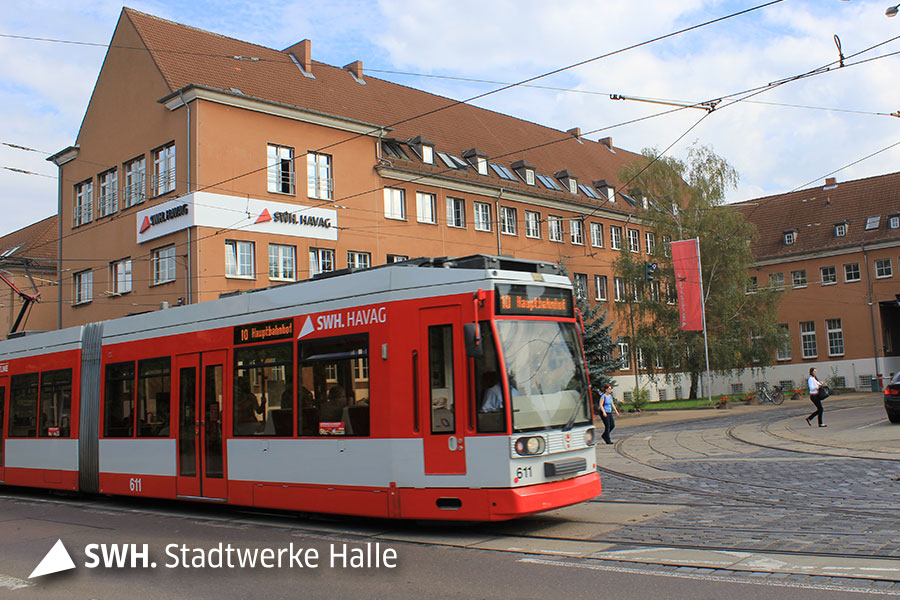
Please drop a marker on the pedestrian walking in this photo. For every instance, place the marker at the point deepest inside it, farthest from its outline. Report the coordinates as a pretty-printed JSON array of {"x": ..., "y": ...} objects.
[
  {"x": 814, "y": 386},
  {"x": 607, "y": 409}
]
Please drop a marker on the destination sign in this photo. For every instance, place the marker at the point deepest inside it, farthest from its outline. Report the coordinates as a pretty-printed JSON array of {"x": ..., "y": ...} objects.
[
  {"x": 534, "y": 300},
  {"x": 264, "y": 332}
]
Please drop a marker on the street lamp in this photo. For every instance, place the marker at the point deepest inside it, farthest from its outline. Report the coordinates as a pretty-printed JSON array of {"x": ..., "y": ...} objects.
[{"x": 892, "y": 10}]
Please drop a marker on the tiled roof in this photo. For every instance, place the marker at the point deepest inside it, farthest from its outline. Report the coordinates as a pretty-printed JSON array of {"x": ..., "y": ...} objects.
[
  {"x": 814, "y": 212},
  {"x": 188, "y": 56},
  {"x": 37, "y": 242}
]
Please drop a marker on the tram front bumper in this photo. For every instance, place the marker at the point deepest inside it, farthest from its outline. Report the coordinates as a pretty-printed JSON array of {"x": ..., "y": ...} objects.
[{"x": 523, "y": 501}]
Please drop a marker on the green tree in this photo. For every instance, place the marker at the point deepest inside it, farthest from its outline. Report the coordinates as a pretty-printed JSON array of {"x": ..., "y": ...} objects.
[{"x": 684, "y": 200}]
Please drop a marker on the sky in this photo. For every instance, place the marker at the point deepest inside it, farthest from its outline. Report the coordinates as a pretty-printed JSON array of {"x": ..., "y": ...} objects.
[{"x": 786, "y": 137}]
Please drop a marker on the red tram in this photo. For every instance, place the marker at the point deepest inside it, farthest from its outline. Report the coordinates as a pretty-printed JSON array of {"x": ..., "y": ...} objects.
[{"x": 430, "y": 389}]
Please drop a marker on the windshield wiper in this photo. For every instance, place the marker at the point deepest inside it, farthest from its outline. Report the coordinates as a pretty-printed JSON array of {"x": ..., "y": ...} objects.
[{"x": 571, "y": 422}]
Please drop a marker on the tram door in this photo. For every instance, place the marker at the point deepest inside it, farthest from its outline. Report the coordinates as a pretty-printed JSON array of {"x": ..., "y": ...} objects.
[
  {"x": 201, "y": 445},
  {"x": 4, "y": 385},
  {"x": 442, "y": 391}
]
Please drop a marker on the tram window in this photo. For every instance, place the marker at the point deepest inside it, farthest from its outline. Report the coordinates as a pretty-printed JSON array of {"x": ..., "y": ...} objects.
[
  {"x": 440, "y": 369},
  {"x": 333, "y": 385},
  {"x": 23, "y": 403},
  {"x": 489, "y": 402},
  {"x": 264, "y": 390},
  {"x": 56, "y": 404},
  {"x": 118, "y": 404},
  {"x": 154, "y": 397}
]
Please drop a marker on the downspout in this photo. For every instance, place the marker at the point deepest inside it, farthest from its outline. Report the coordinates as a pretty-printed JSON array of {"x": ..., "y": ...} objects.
[
  {"x": 189, "y": 262},
  {"x": 871, "y": 314},
  {"x": 497, "y": 207},
  {"x": 59, "y": 256}
]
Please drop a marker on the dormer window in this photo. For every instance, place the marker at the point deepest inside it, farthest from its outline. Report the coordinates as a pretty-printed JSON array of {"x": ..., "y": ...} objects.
[
  {"x": 894, "y": 222},
  {"x": 606, "y": 189},
  {"x": 428, "y": 155},
  {"x": 569, "y": 181},
  {"x": 790, "y": 236},
  {"x": 840, "y": 229},
  {"x": 424, "y": 148},
  {"x": 524, "y": 170},
  {"x": 872, "y": 222},
  {"x": 477, "y": 159}
]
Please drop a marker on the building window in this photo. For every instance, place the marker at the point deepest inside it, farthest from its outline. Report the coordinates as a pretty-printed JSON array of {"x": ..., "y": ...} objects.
[
  {"x": 319, "y": 183},
  {"x": 883, "y": 268},
  {"x": 120, "y": 276},
  {"x": 428, "y": 155},
  {"x": 109, "y": 192},
  {"x": 581, "y": 285},
  {"x": 597, "y": 235},
  {"x": 576, "y": 231},
  {"x": 650, "y": 242},
  {"x": 752, "y": 285},
  {"x": 808, "y": 339},
  {"x": 280, "y": 169},
  {"x": 529, "y": 176},
  {"x": 239, "y": 259},
  {"x": 615, "y": 237},
  {"x": 835, "y": 337},
  {"x": 840, "y": 230},
  {"x": 482, "y": 216},
  {"x": 481, "y": 165},
  {"x": 790, "y": 237},
  {"x": 654, "y": 291},
  {"x": 394, "y": 204},
  {"x": 776, "y": 281},
  {"x": 872, "y": 222},
  {"x": 321, "y": 260},
  {"x": 163, "y": 262},
  {"x": 624, "y": 357},
  {"x": 532, "y": 224},
  {"x": 600, "y": 287},
  {"x": 395, "y": 258},
  {"x": 619, "y": 289},
  {"x": 851, "y": 272},
  {"x": 282, "y": 262},
  {"x": 135, "y": 189},
  {"x": 358, "y": 260},
  {"x": 667, "y": 246},
  {"x": 508, "y": 220},
  {"x": 425, "y": 208},
  {"x": 84, "y": 286},
  {"x": 456, "y": 212},
  {"x": 555, "y": 228},
  {"x": 84, "y": 203},
  {"x": 894, "y": 222},
  {"x": 163, "y": 170},
  {"x": 829, "y": 275},
  {"x": 634, "y": 240},
  {"x": 783, "y": 352},
  {"x": 798, "y": 278}
]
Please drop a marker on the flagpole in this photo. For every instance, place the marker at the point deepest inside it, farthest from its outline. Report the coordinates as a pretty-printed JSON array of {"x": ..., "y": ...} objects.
[{"x": 703, "y": 316}]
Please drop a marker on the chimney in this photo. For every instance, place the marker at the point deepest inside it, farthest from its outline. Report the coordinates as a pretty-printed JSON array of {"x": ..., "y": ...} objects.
[
  {"x": 575, "y": 132},
  {"x": 830, "y": 182},
  {"x": 607, "y": 141},
  {"x": 356, "y": 70},
  {"x": 302, "y": 54}
]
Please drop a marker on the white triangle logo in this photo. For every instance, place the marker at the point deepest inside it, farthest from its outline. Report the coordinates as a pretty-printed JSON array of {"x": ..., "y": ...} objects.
[
  {"x": 308, "y": 328},
  {"x": 56, "y": 560}
]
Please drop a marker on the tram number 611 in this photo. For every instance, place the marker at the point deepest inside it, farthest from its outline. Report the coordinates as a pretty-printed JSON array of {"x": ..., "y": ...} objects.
[
  {"x": 134, "y": 484},
  {"x": 523, "y": 472}
]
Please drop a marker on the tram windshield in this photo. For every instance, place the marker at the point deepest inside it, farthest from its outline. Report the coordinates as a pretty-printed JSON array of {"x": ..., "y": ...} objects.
[{"x": 546, "y": 374}]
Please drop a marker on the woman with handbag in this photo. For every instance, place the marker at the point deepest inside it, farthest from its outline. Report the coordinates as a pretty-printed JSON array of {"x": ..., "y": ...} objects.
[{"x": 814, "y": 388}]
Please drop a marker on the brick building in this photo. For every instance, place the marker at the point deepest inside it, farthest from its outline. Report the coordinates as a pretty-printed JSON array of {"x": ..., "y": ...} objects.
[{"x": 28, "y": 261}]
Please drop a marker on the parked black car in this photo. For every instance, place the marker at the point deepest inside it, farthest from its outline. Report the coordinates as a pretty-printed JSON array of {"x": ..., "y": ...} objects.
[{"x": 892, "y": 399}]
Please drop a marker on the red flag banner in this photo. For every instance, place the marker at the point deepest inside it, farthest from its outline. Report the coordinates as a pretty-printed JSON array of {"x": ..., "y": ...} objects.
[{"x": 686, "y": 263}]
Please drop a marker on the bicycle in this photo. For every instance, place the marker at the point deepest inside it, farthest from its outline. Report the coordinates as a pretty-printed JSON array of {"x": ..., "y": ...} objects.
[{"x": 775, "y": 396}]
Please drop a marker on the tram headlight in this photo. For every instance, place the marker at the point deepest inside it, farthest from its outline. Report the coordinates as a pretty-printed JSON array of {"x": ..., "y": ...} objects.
[
  {"x": 530, "y": 446},
  {"x": 589, "y": 437}
]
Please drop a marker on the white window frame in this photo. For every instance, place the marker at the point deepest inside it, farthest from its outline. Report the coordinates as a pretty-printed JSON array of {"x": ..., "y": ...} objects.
[
  {"x": 280, "y": 170},
  {"x": 240, "y": 259},
  {"x": 108, "y": 196},
  {"x": 394, "y": 258},
  {"x": 426, "y": 208},
  {"x": 532, "y": 224},
  {"x": 163, "y": 170},
  {"x": 615, "y": 237},
  {"x": 883, "y": 268},
  {"x": 358, "y": 260},
  {"x": 321, "y": 260},
  {"x": 600, "y": 287},
  {"x": 620, "y": 290},
  {"x": 840, "y": 230},
  {"x": 120, "y": 276},
  {"x": 554, "y": 228},
  {"x": 456, "y": 212},
  {"x": 135, "y": 189},
  {"x": 84, "y": 203},
  {"x": 833, "y": 273},
  {"x": 835, "y": 334},
  {"x": 790, "y": 237},
  {"x": 894, "y": 222},
  {"x": 319, "y": 182},
  {"x": 752, "y": 285},
  {"x": 573, "y": 185},
  {"x": 482, "y": 216},
  {"x": 162, "y": 262},
  {"x": 529, "y": 177},
  {"x": 597, "y": 235},
  {"x": 776, "y": 281},
  {"x": 581, "y": 282},
  {"x": 858, "y": 277},
  {"x": 481, "y": 165},
  {"x": 624, "y": 356},
  {"x": 508, "y": 224},
  {"x": 808, "y": 344},
  {"x": 634, "y": 240},
  {"x": 282, "y": 262},
  {"x": 83, "y": 282},
  {"x": 428, "y": 155},
  {"x": 873, "y": 222},
  {"x": 650, "y": 242},
  {"x": 576, "y": 231},
  {"x": 395, "y": 204},
  {"x": 798, "y": 279},
  {"x": 783, "y": 352}
]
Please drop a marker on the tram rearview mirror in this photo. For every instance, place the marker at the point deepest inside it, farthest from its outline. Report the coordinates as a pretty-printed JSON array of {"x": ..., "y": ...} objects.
[{"x": 472, "y": 334}]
